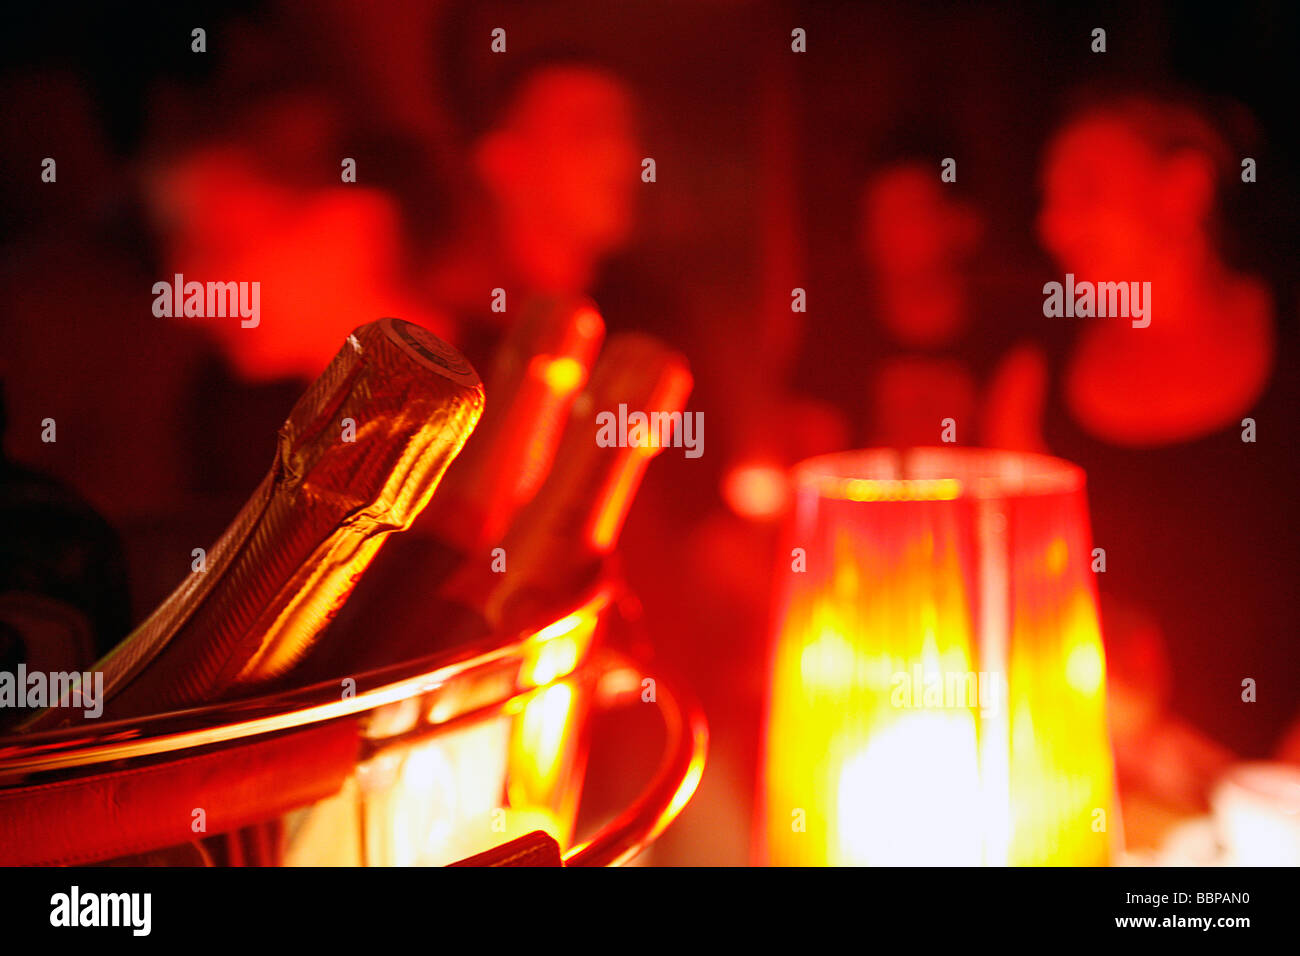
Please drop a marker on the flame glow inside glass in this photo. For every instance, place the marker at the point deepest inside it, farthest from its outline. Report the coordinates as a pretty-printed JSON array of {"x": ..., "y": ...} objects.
[{"x": 937, "y": 678}]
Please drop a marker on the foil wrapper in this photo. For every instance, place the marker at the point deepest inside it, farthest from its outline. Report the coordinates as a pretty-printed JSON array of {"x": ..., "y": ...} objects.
[
  {"x": 538, "y": 371},
  {"x": 292, "y": 555},
  {"x": 576, "y": 518}
]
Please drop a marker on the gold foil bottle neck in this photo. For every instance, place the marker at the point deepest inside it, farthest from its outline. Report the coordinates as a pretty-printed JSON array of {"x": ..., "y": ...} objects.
[
  {"x": 538, "y": 371},
  {"x": 358, "y": 457},
  {"x": 576, "y": 518}
]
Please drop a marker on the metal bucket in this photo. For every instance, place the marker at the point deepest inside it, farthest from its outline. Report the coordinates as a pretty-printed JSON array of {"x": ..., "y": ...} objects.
[{"x": 423, "y": 763}]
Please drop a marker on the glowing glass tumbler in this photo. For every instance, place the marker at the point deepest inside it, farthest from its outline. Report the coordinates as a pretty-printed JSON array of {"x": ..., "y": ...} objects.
[{"x": 937, "y": 678}]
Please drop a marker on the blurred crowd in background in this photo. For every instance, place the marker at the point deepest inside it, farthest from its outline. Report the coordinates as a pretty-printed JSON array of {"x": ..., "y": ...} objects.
[{"x": 774, "y": 171}]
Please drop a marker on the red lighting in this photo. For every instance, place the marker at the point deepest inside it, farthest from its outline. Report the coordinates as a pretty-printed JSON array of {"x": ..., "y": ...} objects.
[{"x": 937, "y": 679}]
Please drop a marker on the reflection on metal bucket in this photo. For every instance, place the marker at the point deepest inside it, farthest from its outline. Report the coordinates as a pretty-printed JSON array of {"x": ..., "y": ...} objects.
[{"x": 427, "y": 763}]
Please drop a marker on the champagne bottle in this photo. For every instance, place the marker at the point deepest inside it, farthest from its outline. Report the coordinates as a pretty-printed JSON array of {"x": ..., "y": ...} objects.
[
  {"x": 555, "y": 545},
  {"x": 537, "y": 372},
  {"x": 359, "y": 456},
  {"x": 560, "y": 538}
]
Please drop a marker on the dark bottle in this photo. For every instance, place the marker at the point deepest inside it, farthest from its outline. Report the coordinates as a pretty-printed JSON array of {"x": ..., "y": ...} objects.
[{"x": 64, "y": 599}]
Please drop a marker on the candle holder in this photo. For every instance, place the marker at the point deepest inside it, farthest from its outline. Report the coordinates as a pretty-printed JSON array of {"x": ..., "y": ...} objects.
[{"x": 937, "y": 678}]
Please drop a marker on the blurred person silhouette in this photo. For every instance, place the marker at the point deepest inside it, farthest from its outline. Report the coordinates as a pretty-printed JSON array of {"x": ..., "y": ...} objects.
[
  {"x": 924, "y": 326},
  {"x": 94, "y": 382},
  {"x": 264, "y": 201},
  {"x": 79, "y": 348},
  {"x": 1197, "y": 587},
  {"x": 936, "y": 342},
  {"x": 552, "y": 163},
  {"x": 1129, "y": 192},
  {"x": 944, "y": 346},
  {"x": 164, "y": 167}
]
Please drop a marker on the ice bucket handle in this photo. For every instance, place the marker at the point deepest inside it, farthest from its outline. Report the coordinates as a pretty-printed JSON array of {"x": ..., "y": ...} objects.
[
  {"x": 679, "y": 771},
  {"x": 664, "y": 797}
]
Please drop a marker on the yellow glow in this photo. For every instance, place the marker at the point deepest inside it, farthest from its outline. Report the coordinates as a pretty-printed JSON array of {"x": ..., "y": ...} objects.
[
  {"x": 877, "y": 782},
  {"x": 565, "y": 625},
  {"x": 545, "y": 718},
  {"x": 427, "y": 779},
  {"x": 755, "y": 490},
  {"x": 684, "y": 792},
  {"x": 540, "y": 747},
  {"x": 1084, "y": 668},
  {"x": 860, "y": 766},
  {"x": 520, "y": 821},
  {"x": 609, "y": 516},
  {"x": 557, "y": 647},
  {"x": 1061, "y": 770},
  {"x": 891, "y": 489},
  {"x": 556, "y": 658},
  {"x": 562, "y": 375},
  {"x": 912, "y": 796},
  {"x": 438, "y": 809},
  {"x": 825, "y": 661}
]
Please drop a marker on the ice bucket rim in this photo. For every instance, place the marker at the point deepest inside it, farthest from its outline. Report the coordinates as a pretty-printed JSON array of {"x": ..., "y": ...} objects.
[{"x": 227, "y": 721}]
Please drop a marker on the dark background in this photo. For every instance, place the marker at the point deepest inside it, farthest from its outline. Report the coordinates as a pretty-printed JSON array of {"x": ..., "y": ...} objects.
[{"x": 760, "y": 159}]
